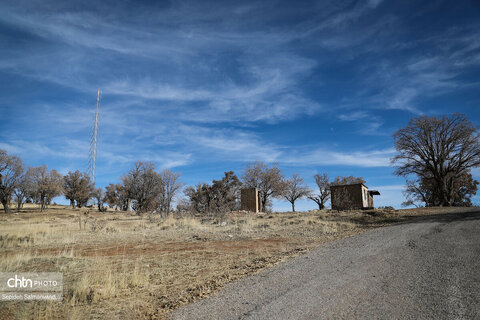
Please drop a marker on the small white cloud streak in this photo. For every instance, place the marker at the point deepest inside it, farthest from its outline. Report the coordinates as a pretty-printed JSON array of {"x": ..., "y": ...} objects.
[
  {"x": 67, "y": 150},
  {"x": 353, "y": 116}
]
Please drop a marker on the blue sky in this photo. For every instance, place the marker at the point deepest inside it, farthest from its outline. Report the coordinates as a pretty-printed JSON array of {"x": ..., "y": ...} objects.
[{"x": 205, "y": 87}]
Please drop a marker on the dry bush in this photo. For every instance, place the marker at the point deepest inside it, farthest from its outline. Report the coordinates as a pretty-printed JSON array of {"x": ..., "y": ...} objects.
[
  {"x": 16, "y": 261},
  {"x": 102, "y": 281},
  {"x": 97, "y": 225}
]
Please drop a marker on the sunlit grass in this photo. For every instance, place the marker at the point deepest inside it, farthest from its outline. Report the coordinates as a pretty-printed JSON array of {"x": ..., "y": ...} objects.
[{"x": 122, "y": 265}]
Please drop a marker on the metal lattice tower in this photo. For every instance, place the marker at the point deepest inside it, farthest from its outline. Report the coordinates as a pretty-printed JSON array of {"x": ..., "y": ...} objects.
[{"x": 92, "y": 155}]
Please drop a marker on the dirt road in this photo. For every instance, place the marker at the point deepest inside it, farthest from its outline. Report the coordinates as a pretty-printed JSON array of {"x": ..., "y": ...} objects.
[{"x": 428, "y": 268}]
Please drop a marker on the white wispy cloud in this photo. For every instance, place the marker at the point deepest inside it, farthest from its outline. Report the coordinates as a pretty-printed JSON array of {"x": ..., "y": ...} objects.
[
  {"x": 425, "y": 75},
  {"x": 191, "y": 82},
  {"x": 354, "y": 158},
  {"x": 66, "y": 150},
  {"x": 353, "y": 116},
  {"x": 270, "y": 89},
  {"x": 194, "y": 142}
]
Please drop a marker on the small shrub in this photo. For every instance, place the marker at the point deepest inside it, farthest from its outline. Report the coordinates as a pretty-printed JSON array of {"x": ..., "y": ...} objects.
[
  {"x": 111, "y": 229},
  {"x": 97, "y": 225}
]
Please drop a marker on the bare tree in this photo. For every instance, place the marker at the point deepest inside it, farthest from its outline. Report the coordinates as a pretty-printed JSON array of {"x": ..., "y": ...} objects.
[
  {"x": 217, "y": 198},
  {"x": 143, "y": 186},
  {"x": 99, "y": 196},
  {"x": 184, "y": 206},
  {"x": 423, "y": 192},
  {"x": 414, "y": 194},
  {"x": 295, "y": 188},
  {"x": 268, "y": 180},
  {"x": 24, "y": 189},
  {"x": 11, "y": 170},
  {"x": 125, "y": 197},
  {"x": 78, "y": 188},
  {"x": 465, "y": 187},
  {"x": 116, "y": 195},
  {"x": 437, "y": 150},
  {"x": 112, "y": 197},
  {"x": 170, "y": 187},
  {"x": 46, "y": 185},
  {"x": 323, "y": 195}
]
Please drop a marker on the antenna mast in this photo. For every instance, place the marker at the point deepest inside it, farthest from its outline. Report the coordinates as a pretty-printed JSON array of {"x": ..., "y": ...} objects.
[{"x": 92, "y": 155}]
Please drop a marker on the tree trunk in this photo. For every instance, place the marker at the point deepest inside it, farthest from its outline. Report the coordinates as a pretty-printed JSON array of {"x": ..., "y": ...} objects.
[
  {"x": 5, "y": 206},
  {"x": 293, "y": 206},
  {"x": 264, "y": 204},
  {"x": 443, "y": 194}
]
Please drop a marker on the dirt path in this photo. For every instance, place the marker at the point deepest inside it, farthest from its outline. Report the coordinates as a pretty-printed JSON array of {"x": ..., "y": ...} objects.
[{"x": 426, "y": 268}]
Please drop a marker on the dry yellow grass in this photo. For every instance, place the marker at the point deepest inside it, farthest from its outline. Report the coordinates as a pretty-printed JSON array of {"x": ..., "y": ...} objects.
[{"x": 120, "y": 265}]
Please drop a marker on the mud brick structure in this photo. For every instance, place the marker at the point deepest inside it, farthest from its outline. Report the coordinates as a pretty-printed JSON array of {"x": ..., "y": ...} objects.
[
  {"x": 352, "y": 197},
  {"x": 250, "y": 200}
]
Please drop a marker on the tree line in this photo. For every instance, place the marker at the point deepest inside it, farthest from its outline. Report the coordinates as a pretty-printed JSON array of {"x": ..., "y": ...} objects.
[
  {"x": 143, "y": 189},
  {"x": 434, "y": 154},
  {"x": 223, "y": 195}
]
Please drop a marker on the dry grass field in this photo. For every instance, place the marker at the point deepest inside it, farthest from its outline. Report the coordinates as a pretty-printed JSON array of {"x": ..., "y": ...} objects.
[{"x": 118, "y": 265}]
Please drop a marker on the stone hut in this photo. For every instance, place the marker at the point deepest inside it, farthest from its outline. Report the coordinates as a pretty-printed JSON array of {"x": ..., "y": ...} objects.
[{"x": 352, "y": 197}]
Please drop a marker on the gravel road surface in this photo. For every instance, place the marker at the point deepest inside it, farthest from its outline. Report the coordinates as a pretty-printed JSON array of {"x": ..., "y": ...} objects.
[{"x": 428, "y": 268}]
